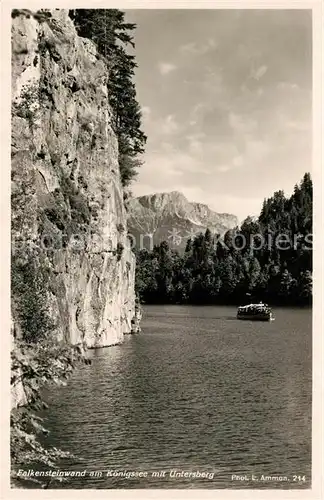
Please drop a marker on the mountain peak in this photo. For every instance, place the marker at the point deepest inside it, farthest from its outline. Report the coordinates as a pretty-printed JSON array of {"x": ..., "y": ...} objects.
[
  {"x": 169, "y": 214},
  {"x": 167, "y": 197}
]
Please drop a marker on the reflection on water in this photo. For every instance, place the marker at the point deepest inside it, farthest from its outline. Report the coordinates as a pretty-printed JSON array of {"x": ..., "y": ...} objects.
[{"x": 196, "y": 391}]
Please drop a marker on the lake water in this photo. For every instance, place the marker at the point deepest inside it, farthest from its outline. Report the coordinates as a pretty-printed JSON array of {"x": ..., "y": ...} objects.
[{"x": 198, "y": 390}]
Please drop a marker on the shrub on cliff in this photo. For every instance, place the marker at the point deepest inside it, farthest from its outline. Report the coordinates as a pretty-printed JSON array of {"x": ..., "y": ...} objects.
[
  {"x": 119, "y": 251},
  {"x": 27, "y": 104},
  {"x": 107, "y": 28},
  {"x": 29, "y": 287},
  {"x": 37, "y": 358},
  {"x": 34, "y": 365}
]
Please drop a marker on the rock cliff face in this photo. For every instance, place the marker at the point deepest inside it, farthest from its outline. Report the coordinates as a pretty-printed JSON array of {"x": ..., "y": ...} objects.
[
  {"x": 68, "y": 213},
  {"x": 171, "y": 217}
]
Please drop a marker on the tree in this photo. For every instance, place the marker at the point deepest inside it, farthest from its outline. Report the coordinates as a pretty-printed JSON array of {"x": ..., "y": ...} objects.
[
  {"x": 287, "y": 285},
  {"x": 305, "y": 288},
  {"x": 228, "y": 278},
  {"x": 208, "y": 273},
  {"x": 112, "y": 35}
]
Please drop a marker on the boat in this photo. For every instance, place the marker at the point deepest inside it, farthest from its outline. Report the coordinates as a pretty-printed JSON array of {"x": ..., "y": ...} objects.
[{"x": 255, "y": 312}]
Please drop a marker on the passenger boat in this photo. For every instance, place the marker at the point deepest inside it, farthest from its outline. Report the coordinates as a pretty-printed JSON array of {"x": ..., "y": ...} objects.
[{"x": 255, "y": 312}]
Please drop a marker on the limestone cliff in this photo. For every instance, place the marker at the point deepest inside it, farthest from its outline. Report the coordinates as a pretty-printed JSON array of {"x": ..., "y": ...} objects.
[{"x": 67, "y": 198}]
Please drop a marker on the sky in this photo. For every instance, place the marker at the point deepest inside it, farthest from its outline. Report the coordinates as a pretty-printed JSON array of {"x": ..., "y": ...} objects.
[{"x": 226, "y": 100}]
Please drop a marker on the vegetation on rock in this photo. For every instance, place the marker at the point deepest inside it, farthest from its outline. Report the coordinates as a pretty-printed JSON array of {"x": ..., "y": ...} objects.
[
  {"x": 112, "y": 35},
  {"x": 34, "y": 364},
  {"x": 37, "y": 357},
  {"x": 119, "y": 251}
]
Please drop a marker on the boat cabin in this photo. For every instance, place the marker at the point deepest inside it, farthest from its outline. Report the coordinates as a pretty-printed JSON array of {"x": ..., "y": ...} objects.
[{"x": 261, "y": 312}]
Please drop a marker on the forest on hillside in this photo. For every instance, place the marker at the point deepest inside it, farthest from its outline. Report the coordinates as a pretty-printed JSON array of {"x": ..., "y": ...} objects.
[{"x": 268, "y": 258}]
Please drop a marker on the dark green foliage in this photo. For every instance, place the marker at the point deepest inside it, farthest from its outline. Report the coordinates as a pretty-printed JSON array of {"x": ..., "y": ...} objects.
[
  {"x": 119, "y": 251},
  {"x": 68, "y": 209},
  {"x": 128, "y": 165},
  {"x": 56, "y": 210},
  {"x": 209, "y": 272},
  {"x": 80, "y": 211},
  {"x": 104, "y": 26},
  {"x": 29, "y": 290},
  {"x": 306, "y": 287},
  {"x": 94, "y": 211},
  {"x": 27, "y": 104},
  {"x": 41, "y": 15},
  {"x": 108, "y": 30},
  {"x": 35, "y": 365},
  {"x": 37, "y": 358}
]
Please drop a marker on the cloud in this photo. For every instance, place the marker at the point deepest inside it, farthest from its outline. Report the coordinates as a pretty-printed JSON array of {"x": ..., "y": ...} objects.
[
  {"x": 238, "y": 161},
  {"x": 259, "y": 72},
  {"x": 213, "y": 84},
  {"x": 167, "y": 147},
  {"x": 169, "y": 125},
  {"x": 191, "y": 193},
  {"x": 251, "y": 98},
  {"x": 223, "y": 168},
  {"x": 195, "y": 143},
  {"x": 165, "y": 168},
  {"x": 182, "y": 163},
  {"x": 146, "y": 112},
  {"x": 290, "y": 123},
  {"x": 193, "y": 48},
  {"x": 256, "y": 150},
  {"x": 196, "y": 147},
  {"x": 190, "y": 48},
  {"x": 242, "y": 124},
  {"x": 233, "y": 204},
  {"x": 165, "y": 68},
  {"x": 197, "y": 113},
  {"x": 298, "y": 126},
  {"x": 287, "y": 86}
]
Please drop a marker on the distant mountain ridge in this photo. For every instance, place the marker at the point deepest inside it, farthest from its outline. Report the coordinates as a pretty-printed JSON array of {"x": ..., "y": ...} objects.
[{"x": 171, "y": 217}]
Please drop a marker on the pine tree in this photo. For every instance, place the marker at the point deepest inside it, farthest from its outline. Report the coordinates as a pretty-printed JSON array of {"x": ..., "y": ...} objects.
[
  {"x": 208, "y": 273},
  {"x": 286, "y": 284},
  {"x": 305, "y": 288},
  {"x": 112, "y": 35}
]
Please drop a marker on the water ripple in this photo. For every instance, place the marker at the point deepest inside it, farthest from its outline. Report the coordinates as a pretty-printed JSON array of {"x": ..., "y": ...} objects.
[{"x": 196, "y": 391}]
